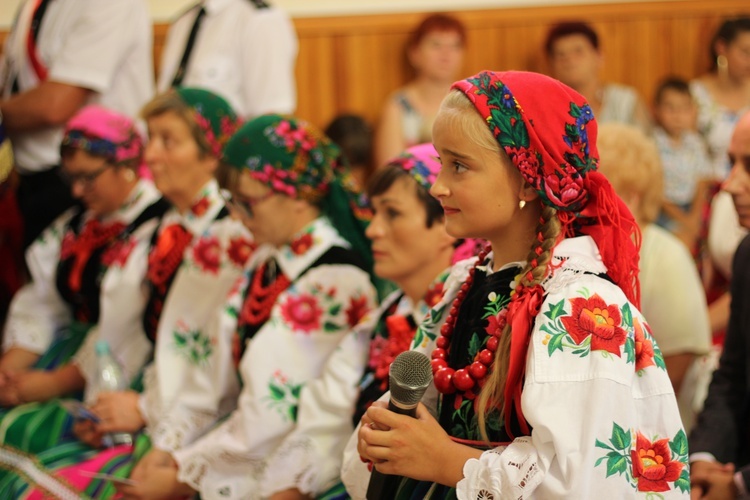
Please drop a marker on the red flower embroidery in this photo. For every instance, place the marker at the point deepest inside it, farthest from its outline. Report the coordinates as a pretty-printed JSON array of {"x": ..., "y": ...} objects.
[
  {"x": 434, "y": 295},
  {"x": 302, "y": 244},
  {"x": 117, "y": 254},
  {"x": 302, "y": 312},
  {"x": 593, "y": 317},
  {"x": 377, "y": 348},
  {"x": 567, "y": 191},
  {"x": 644, "y": 348},
  {"x": 653, "y": 466},
  {"x": 207, "y": 254},
  {"x": 528, "y": 164},
  {"x": 357, "y": 308},
  {"x": 495, "y": 324},
  {"x": 200, "y": 207},
  {"x": 240, "y": 249}
]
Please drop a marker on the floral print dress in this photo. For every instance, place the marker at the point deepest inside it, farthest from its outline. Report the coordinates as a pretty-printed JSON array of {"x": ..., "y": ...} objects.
[
  {"x": 307, "y": 322},
  {"x": 603, "y": 416}
]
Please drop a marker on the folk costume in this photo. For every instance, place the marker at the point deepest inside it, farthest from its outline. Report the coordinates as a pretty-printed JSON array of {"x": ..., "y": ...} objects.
[
  {"x": 195, "y": 257},
  {"x": 589, "y": 407}
]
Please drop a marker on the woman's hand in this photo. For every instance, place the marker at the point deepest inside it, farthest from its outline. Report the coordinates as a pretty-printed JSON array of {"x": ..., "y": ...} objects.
[
  {"x": 118, "y": 412},
  {"x": 290, "y": 494},
  {"x": 154, "y": 458},
  {"x": 87, "y": 432},
  {"x": 418, "y": 447},
  {"x": 155, "y": 482},
  {"x": 36, "y": 385},
  {"x": 9, "y": 395}
]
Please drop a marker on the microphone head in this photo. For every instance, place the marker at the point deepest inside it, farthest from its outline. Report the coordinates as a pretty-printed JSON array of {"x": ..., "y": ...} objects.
[{"x": 410, "y": 376}]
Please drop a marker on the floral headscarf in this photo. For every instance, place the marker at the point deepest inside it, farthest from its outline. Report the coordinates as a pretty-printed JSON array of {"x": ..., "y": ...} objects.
[
  {"x": 213, "y": 115},
  {"x": 293, "y": 158},
  {"x": 549, "y": 133},
  {"x": 102, "y": 132},
  {"x": 422, "y": 163}
]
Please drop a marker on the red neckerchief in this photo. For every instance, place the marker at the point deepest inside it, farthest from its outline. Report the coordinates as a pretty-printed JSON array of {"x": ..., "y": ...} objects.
[{"x": 94, "y": 235}]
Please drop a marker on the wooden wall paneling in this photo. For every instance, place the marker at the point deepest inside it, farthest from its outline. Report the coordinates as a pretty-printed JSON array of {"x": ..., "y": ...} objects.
[{"x": 315, "y": 71}]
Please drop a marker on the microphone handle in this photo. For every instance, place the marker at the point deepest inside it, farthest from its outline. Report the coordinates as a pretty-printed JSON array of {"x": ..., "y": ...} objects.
[
  {"x": 384, "y": 486},
  {"x": 396, "y": 408}
]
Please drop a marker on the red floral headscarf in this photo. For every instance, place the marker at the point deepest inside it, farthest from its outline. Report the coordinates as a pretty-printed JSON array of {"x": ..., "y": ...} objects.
[{"x": 549, "y": 133}]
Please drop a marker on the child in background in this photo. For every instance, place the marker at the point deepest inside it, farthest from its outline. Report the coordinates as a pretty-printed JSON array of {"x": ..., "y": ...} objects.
[
  {"x": 354, "y": 136},
  {"x": 687, "y": 168}
]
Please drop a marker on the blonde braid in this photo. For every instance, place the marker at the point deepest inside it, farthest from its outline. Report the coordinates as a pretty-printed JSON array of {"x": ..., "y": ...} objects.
[{"x": 491, "y": 396}]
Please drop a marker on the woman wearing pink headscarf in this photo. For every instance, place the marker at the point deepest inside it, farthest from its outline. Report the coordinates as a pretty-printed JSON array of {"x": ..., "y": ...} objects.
[{"x": 87, "y": 271}]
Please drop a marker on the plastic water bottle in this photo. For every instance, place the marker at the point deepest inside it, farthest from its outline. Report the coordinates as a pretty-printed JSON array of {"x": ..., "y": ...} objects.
[{"x": 111, "y": 378}]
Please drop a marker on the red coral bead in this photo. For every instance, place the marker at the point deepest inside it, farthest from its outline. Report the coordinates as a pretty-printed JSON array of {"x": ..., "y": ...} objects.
[
  {"x": 477, "y": 370},
  {"x": 438, "y": 353},
  {"x": 492, "y": 344},
  {"x": 444, "y": 381},
  {"x": 462, "y": 380},
  {"x": 446, "y": 330},
  {"x": 486, "y": 356},
  {"x": 442, "y": 342},
  {"x": 438, "y": 364}
]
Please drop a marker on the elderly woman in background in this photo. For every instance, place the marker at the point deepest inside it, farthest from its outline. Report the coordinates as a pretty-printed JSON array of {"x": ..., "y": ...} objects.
[
  {"x": 87, "y": 269},
  {"x": 305, "y": 287},
  {"x": 435, "y": 52},
  {"x": 672, "y": 297},
  {"x": 575, "y": 59},
  {"x": 197, "y": 253}
]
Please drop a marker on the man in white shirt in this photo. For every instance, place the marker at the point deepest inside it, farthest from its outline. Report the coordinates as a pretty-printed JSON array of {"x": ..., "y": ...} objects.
[
  {"x": 61, "y": 55},
  {"x": 244, "y": 50}
]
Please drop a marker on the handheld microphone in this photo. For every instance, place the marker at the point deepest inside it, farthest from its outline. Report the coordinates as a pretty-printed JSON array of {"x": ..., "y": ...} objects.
[{"x": 410, "y": 375}]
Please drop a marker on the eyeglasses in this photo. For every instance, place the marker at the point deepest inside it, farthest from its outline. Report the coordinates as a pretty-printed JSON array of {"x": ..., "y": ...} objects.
[
  {"x": 86, "y": 180},
  {"x": 243, "y": 206}
]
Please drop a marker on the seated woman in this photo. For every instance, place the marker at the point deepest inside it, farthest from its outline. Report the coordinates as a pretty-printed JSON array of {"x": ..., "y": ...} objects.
[
  {"x": 671, "y": 290},
  {"x": 435, "y": 52},
  {"x": 198, "y": 252},
  {"x": 305, "y": 288},
  {"x": 411, "y": 248},
  {"x": 87, "y": 272},
  {"x": 539, "y": 353}
]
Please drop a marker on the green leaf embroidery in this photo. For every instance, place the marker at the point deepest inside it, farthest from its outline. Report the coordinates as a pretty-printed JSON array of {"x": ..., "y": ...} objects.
[
  {"x": 233, "y": 311},
  {"x": 616, "y": 463},
  {"x": 555, "y": 343},
  {"x": 679, "y": 445},
  {"x": 599, "y": 444},
  {"x": 630, "y": 349},
  {"x": 620, "y": 438},
  {"x": 277, "y": 393},
  {"x": 683, "y": 482},
  {"x": 334, "y": 310},
  {"x": 330, "y": 326},
  {"x": 474, "y": 345},
  {"x": 627, "y": 316},
  {"x": 556, "y": 310}
]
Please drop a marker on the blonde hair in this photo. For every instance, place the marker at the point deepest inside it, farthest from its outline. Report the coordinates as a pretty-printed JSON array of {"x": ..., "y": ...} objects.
[
  {"x": 547, "y": 231},
  {"x": 631, "y": 162}
]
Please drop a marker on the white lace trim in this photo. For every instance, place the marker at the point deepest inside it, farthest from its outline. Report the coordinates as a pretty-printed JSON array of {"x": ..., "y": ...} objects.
[
  {"x": 512, "y": 472},
  {"x": 293, "y": 466}
]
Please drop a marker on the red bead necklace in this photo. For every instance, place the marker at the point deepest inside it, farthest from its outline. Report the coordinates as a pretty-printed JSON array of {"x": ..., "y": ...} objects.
[
  {"x": 260, "y": 299},
  {"x": 447, "y": 380}
]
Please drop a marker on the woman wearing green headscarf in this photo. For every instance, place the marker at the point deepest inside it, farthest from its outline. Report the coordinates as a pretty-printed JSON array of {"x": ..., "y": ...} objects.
[
  {"x": 196, "y": 254},
  {"x": 305, "y": 287}
]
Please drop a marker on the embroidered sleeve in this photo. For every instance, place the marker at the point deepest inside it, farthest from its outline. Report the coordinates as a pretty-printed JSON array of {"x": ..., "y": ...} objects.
[
  {"x": 307, "y": 324},
  {"x": 37, "y": 310},
  {"x": 600, "y": 404},
  {"x": 309, "y": 458}
]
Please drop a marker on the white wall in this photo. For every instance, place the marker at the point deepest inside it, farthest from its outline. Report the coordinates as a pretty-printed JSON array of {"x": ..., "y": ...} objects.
[{"x": 164, "y": 10}]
